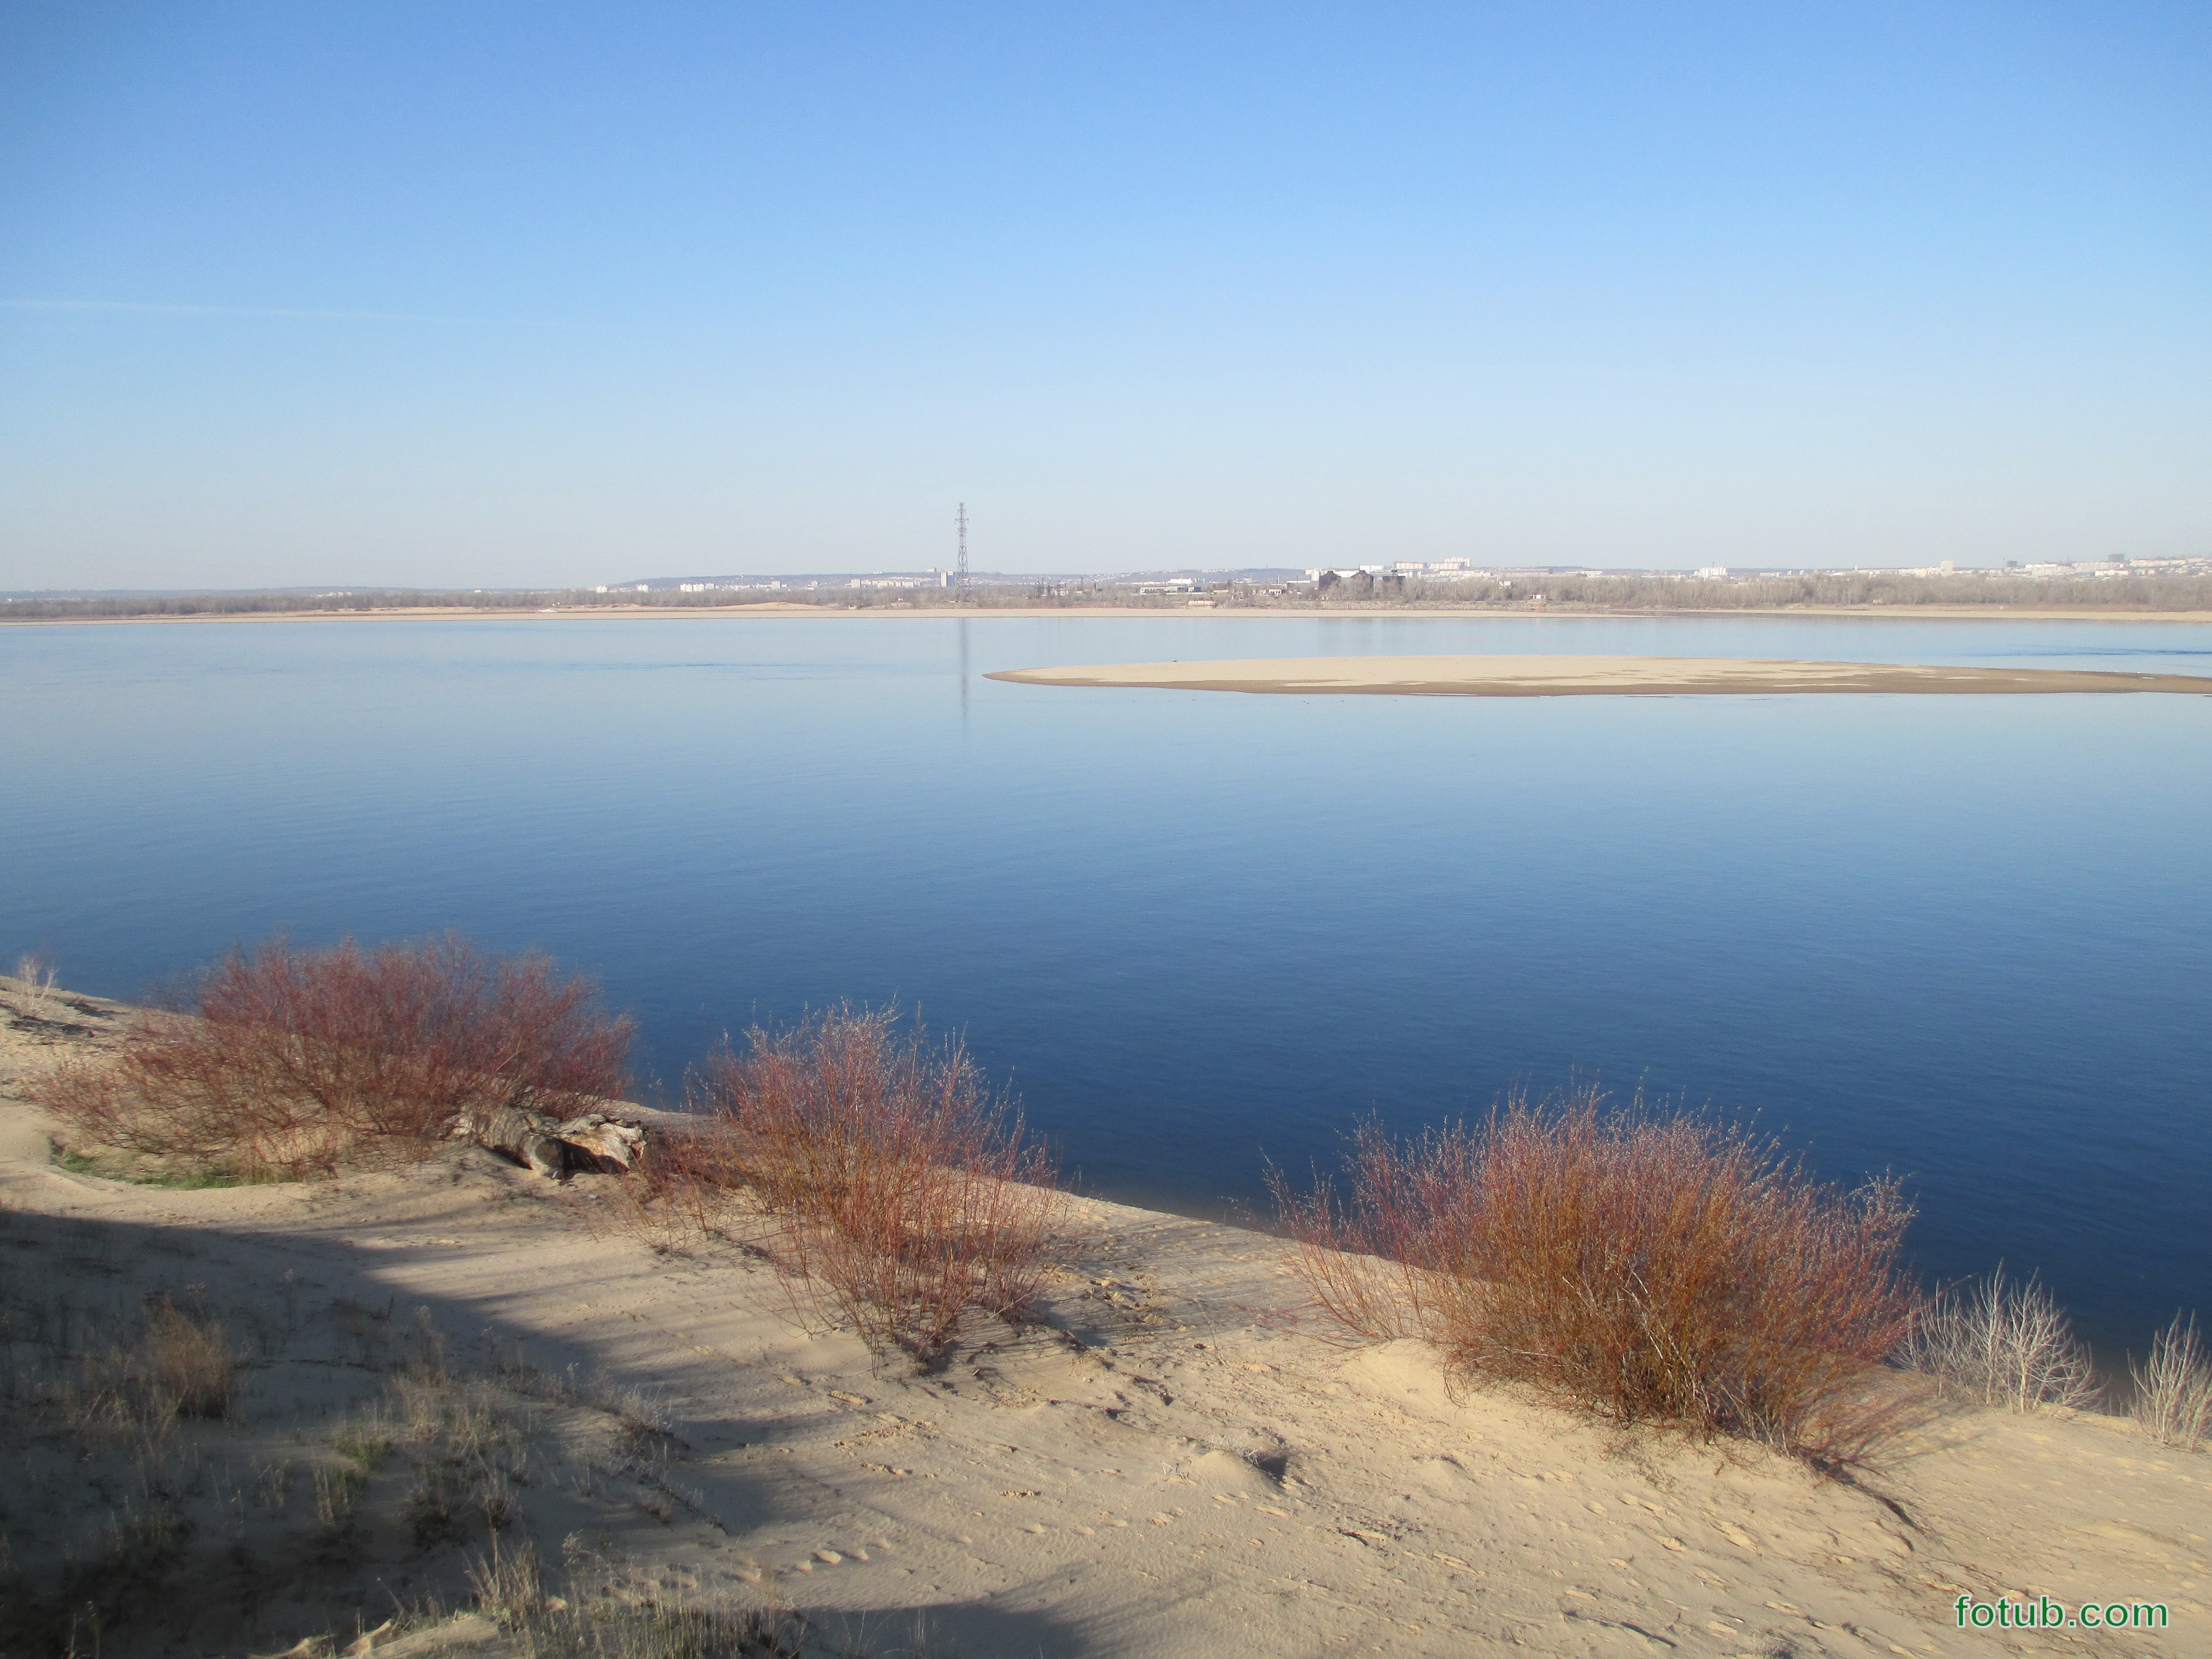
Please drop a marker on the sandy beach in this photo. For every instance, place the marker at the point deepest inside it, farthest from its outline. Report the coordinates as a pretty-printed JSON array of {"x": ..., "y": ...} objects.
[
  {"x": 1179, "y": 1462},
  {"x": 1572, "y": 677}
]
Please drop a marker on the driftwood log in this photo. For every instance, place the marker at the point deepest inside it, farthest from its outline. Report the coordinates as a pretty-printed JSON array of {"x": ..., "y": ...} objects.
[{"x": 555, "y": 1148}]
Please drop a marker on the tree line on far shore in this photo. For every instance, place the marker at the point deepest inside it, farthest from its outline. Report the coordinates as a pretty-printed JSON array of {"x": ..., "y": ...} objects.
[{"x": 2120, "y": 592}]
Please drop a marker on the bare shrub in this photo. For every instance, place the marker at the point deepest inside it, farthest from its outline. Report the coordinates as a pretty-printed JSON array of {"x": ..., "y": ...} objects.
[
  {"x": 900, "y": 1185},
  {"x": 286, "y": 1061},
  {"x": 1645, "y": 1268},
  {"x": 35, "y": 976},
  {"x": 1383, "y": 1261},
  {"x": 2003, "y": 1342},
  {"x": 2172, "y": 1399}
]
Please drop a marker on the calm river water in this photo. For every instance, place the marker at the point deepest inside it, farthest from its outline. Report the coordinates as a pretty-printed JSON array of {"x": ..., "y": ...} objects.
[{"x": 1967, "y": 938}]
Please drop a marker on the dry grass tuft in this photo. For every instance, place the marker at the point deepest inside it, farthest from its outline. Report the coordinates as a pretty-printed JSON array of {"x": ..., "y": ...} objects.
[
  {"x": 286, "y": 1062},
  {"x": 576, "y": 1626},
  {"x": 2001, "y": 1341},
  {"x": 182, "y": 1365},
  {"x": 901, "y": 1190},
  {"x": 1645, "y": 1268},
  {"x": 2172, "y": 1399},
  {"x": 508, "y": 1583},
  {"x": 189, "y": 1360}
]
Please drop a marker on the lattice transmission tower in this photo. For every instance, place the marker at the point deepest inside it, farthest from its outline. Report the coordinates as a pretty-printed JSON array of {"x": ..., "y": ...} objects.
[{"x": 960, "y": 570}]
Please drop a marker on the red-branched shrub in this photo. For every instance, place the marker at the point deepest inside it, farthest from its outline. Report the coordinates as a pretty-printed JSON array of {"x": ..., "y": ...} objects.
[
  {"x": 900, "y": 1188},
  {"x": 283, "y": 1060},
  {"x": 1644, "y": 1267}
]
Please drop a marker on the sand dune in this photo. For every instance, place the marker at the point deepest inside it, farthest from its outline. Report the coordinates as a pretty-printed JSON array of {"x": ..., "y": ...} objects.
[
  {"x": 1572, "y": 676},
  {"x": 1177, "y": 1464}
]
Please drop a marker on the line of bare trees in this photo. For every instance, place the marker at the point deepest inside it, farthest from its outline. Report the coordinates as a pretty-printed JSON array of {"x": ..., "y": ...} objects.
[{"x": 1631, "y": 592}]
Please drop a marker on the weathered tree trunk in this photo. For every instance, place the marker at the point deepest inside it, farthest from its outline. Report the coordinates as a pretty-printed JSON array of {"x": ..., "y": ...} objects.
[{"x": 554, "y": 1149}]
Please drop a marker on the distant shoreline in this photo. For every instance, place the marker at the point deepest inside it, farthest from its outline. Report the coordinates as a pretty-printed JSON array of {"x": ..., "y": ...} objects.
[{"x": 779, "y": 611}]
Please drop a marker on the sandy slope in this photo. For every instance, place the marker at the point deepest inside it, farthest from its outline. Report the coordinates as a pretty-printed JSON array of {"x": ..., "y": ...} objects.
[
  {"x": 1177, "y": 1466},
  {"x": 1567, "y": 677}
]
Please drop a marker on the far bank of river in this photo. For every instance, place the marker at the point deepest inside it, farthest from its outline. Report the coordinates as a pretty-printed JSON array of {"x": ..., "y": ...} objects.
[{"x": 767, "y": 610}]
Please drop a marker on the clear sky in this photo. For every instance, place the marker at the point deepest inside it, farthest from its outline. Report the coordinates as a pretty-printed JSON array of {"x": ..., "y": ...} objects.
[{"x": 468, "y": 293}]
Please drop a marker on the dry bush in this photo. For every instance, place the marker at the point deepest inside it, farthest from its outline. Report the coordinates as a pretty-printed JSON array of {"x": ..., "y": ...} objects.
[
  {"x": 1385, "y": 1262},
  {"x": 1648, "y": 1269},
  {"x": 2001, "y": 1342},
  {"x": 35, "y": 976},
  {"x": 287, "y": 1062},
  {"x": 2172, "y": 1399},
  {"x": 898, "y": 1183}
]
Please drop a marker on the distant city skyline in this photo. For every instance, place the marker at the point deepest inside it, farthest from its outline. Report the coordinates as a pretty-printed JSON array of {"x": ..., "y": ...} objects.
[
  {"x": 409, "y": 295},
  {"x": 1250, "y": 581}
]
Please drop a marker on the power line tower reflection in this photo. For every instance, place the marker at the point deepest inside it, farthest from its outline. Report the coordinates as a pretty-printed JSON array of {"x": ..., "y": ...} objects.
[{"x": 960, "y": 571}]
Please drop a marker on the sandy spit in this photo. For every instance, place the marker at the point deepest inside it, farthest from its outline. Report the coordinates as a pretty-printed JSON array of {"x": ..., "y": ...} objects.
[
  {"x": 1179, "y": 1462},
  {"x": 1572, "y": 676}
]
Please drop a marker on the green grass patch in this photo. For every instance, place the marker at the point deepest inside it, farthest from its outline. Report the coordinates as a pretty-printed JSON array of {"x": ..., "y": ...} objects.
[{"x": 143, "y": 1175}]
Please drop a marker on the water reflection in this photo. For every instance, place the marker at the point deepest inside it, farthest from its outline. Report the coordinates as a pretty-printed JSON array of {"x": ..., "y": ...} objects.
[{"x": 1912, "y": 933}]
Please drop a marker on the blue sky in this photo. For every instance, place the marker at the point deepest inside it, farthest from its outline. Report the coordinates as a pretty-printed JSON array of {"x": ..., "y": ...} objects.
[{"x": 465, "y": 294}]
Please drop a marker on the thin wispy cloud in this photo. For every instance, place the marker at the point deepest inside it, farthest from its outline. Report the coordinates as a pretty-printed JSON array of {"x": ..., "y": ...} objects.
[{"x": 139, "y": 307}]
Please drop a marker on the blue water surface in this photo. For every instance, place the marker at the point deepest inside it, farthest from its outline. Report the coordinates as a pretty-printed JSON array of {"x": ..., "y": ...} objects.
[{"x": 1961, "y": 938}]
